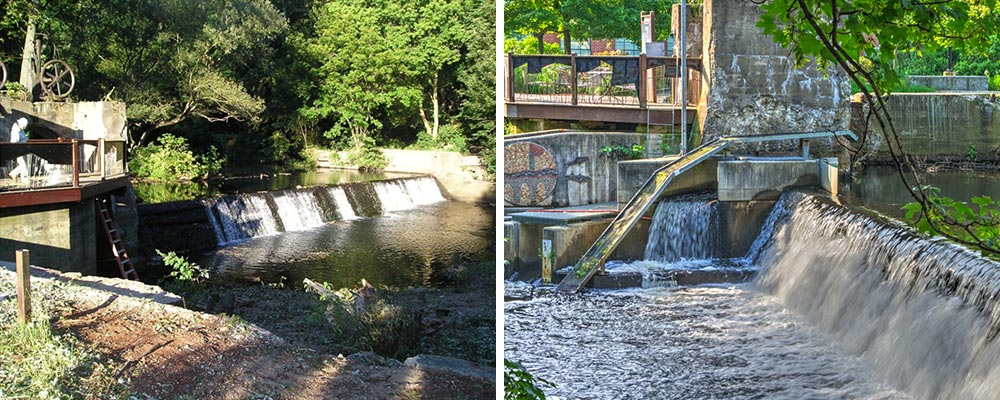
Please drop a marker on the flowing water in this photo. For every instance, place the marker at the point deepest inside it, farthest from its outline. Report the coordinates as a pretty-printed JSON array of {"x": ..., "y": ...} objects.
[
  {"x": 845, "y": 305},
  {"x": 407, "y": 235},
  {"x": 683, "y": 228}
]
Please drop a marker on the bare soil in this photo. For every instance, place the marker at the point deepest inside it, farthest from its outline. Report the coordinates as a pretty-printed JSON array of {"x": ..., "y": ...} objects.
[{"x": 169, "y": 352}]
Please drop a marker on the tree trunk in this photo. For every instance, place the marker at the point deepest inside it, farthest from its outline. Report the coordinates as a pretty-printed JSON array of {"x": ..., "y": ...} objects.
[
  {"x": 566, "y": 36},
  {"x": 541, "y": 42},
  {"x": 27, "y": 78},
  {"x": 437, "y": 108}
]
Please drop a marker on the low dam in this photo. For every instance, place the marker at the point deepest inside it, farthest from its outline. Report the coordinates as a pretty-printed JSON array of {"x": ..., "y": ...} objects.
[
  {"x": 843, "y": 303},
  {"x": 234, "y": 218},
  {"x": 339, "y": 234}
]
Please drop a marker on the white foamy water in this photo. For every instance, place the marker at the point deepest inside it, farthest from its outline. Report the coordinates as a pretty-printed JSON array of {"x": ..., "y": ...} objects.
[
  {"x": 400, "y": 195},
  {"x": 298, "y": 210},
  {"x": 694, "y": 343},
  {"x": 921, "y": 311},
  {"x": 682, "y": 229},
  {"x": 343, "y": 205}
]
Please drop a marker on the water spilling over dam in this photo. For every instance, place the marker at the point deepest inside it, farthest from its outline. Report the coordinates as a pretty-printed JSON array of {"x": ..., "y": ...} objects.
[{"x": 844, "y": 305}]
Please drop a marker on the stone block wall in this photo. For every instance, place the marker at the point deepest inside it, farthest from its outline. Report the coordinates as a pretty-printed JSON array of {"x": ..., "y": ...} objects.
[{"x": 751, "y": 85}]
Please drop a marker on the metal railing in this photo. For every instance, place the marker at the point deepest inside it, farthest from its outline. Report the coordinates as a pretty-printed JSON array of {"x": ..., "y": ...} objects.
[
  {"x": 637, "y": 81},
  {"x": 51, "y": 163}
]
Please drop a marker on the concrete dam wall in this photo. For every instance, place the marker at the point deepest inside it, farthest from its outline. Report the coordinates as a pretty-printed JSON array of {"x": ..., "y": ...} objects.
[{"x": 940, "y": 126}]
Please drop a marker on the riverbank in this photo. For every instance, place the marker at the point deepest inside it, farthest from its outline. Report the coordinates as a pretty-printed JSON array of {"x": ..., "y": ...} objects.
[{"x": 274, "y": 345}]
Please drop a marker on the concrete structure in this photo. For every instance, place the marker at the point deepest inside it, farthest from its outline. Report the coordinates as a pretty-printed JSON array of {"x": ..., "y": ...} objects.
[
  {"x": 751, "y": 85},
  {"x": 754, "y": 179},
  {"x": 633, "y": 174},
  {"x": 968, "y": 83},
  {"x": 939, "y": 126},
  {"x": 59, "y": 222},
  {"x": 461, "y": 176},
  {"x": 52, "y": 120},
  {"x": 60, "y": 236},
  {"x": 578, "y": 174}
]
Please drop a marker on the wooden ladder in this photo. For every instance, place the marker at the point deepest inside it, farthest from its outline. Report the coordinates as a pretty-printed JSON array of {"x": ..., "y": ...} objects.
[{"x": 117, "y": 245}]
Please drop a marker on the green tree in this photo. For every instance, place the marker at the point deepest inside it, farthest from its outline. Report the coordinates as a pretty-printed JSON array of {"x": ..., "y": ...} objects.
[
  {"x": 477, "y": 76},
  {"x": 583, "y": 19},
  {"x": 862, "y": 37},
  {"x": 169, "y": 60}
]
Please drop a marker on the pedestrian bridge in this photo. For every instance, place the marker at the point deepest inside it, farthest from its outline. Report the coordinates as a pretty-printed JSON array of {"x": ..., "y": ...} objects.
[{"x": 627, "y": 89}]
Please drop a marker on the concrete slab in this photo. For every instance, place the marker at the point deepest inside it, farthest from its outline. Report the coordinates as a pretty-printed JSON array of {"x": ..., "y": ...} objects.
[
  {"x": 121, "y": 287},
  {"x": 567, "y": 215}
]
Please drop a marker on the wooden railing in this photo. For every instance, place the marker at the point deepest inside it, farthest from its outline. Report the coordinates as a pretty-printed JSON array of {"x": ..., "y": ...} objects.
[
  {"x": 597, "y": 80},
  {"x": 41, "y": 163}
]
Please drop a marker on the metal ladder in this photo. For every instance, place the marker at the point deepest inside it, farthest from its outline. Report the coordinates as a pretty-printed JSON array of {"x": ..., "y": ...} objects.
[{"x": 117, "y": 245}]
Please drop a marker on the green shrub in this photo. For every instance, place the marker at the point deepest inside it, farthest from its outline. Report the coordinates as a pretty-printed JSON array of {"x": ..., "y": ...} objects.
[
  {"x": 519, "y": 384},
  {"x": 449, "y": 138},
  {"x": 385, "y": 326},
  {"x": 171, "y": 159},
  {"x": 186, "y": 277},
  {"x": 368, "y": 157}
]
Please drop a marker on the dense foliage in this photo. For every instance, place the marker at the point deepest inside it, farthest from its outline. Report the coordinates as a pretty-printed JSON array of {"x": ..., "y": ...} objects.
[
  {"x": 519, "y": 384},
  {"x": 171, "y": 159},
  {"x": 262, "y": 80},
  {"x": 583, "y": 19}
]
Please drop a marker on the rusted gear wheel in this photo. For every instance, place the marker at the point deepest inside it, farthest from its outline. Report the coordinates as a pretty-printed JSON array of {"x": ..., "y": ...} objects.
[
  {"x": 56, "y": 80},
  {"x": 3, "y": 76}
]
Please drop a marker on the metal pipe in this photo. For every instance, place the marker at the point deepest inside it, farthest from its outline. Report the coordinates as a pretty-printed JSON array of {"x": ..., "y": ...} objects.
[
  {"x": 683, "y": 57},
  {"x": 76, "y": 163}
]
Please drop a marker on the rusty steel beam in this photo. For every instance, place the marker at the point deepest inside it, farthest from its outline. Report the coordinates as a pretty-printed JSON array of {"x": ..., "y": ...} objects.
[{"x": 657, "y": 115}]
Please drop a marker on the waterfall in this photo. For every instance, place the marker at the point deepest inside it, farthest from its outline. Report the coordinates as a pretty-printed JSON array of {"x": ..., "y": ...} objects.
[
  {"x": 343, "y": 205},
  {"x": 406, "y": 194},
  {"x": 243, "y": 217},
  {"x": 236, "y": 218},
  {"x": 298, "y": 210},
  {"x": 924, "y": 311},
  {"x": 682, "y": 228}
]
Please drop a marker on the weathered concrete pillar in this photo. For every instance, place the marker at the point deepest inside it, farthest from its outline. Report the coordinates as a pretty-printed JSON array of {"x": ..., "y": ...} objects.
[{"x": 751, "y": 86}]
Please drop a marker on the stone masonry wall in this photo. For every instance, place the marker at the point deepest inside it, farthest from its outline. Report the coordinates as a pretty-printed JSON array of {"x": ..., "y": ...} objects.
[{"x": 751, "y": 85}]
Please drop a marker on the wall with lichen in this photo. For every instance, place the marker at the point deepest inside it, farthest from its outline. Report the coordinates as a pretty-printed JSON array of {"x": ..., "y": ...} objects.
[
  {"x": 561, "y": 168},
  {"x": 751, "y": 86}
]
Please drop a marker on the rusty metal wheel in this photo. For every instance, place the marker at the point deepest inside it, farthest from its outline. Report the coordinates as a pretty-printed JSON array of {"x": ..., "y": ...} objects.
[
  {"x": 3, "y": 76},
  {"x": 56, "y": 80}
]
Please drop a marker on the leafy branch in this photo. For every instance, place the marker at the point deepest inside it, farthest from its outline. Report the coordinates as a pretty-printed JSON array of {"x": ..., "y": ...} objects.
[{"x": 861, "y": 37}]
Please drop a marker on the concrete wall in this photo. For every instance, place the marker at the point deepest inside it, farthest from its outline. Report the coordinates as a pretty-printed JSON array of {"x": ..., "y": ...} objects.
[
  {"x": 561, "y": 169},
  {"x": 632, "y": 175},
  {"x": 462, "y": 177},
  {"x": 70, "y": 120},
  {"x": 751, "y": 86},
  {"x": 746, "y": 180},
  {"x": 59, "y": 237},
  {"x": 952, "y": 83},
  {"x": 938, "y": 126}
]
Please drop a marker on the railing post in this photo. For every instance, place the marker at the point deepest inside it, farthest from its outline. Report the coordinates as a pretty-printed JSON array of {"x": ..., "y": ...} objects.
[
  {"x": 76, "y": 163},
  {"x": 642, "y": 80},
  {"x": 509, "y": 85},
  {"x": 103, "y": 160},
  {"x": 572, "y": 78},
  {"x": 23, "y": 286}
]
